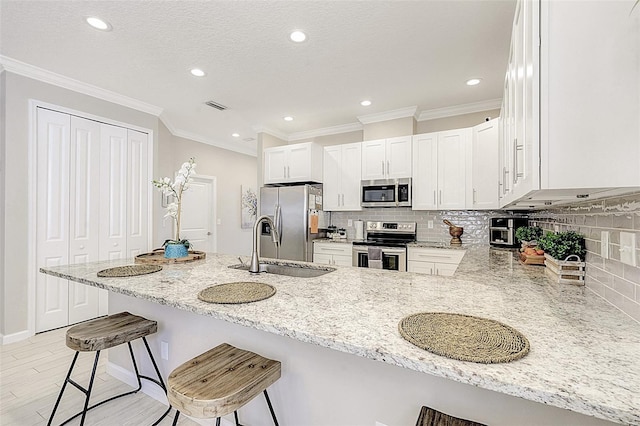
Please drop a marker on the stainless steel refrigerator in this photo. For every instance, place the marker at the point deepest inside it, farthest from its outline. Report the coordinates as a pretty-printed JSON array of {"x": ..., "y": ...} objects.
[{"x": 290, "y": 207}]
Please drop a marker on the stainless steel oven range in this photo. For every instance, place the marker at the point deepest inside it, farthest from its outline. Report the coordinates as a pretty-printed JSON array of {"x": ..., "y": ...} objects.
[{"x": 391, "y": 238}]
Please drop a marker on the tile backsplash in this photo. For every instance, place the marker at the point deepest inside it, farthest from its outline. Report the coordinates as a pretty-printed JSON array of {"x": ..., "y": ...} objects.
[
  {"x": 616, "y": 282},
  {"x": 475, "y": 223}
]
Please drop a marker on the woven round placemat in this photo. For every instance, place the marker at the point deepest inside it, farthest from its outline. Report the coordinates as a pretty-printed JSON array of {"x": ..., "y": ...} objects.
[
  {"x": 238, "y": 292},
  {"x": 129, "y": 270},
  {"x": 464, "y": 337}
]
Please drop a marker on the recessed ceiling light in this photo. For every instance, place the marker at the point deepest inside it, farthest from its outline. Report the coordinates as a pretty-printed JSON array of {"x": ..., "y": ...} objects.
[
  {"x": 473, "y": 82},
  {"x": 98, "y": 23},
  {"x": 197, "y": 72},
  {"x": 235, "y": 135},
  {"x": 365, "y": 103},
  {"x": 298, "y": 36},
  {"x": 288, "y": 118}
]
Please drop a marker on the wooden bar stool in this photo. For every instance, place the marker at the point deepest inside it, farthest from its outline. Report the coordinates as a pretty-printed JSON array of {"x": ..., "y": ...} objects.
[
  {"x": 105, "y": 333},
  {"x": 219, "y": 382}
]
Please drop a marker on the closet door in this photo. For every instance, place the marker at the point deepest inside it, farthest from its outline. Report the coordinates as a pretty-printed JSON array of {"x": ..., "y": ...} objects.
[
  {"x": 113, "y": 190},
  {"x": 137, "y": 192},
  {"x": 84, "y": 213},
  {"x": 52, "y": 206}
]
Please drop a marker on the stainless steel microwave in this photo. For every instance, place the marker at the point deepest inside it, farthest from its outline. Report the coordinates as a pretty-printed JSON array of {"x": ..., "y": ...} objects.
[{"x": 386, "y": 193}]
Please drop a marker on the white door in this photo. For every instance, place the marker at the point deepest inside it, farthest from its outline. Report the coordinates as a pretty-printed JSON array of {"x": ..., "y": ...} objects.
[
  {"x": 198, "y": 214},
  {"x": 452, "y": 169},
  {"x": 52, "y": 206},
  {"x": 137, "y": 193},
  {"x": 374, "y": 159},
  {"x": 351, "y": 176},
  {"x": 331, "y": 182},
  {"x": 425, "y": 172},
  {"x": 84, "y": 213},
  {"x": 399, "y": 157},
  {"x": 484, "y": 165},
  {"x": 113, "y": 187}
]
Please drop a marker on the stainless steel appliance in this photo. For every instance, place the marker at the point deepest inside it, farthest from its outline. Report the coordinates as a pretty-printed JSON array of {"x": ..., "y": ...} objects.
[
  {"x": 386, "y": 193},
  {"x": 502, "y": 230},
  {"x": 294, "y": 210},
  {"x": 391, "y": 238}
]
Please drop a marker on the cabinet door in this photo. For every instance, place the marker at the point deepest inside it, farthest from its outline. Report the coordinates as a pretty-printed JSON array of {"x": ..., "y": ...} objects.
[
  {"x": 84, "y": 213},
  {"x": 425, "y": 172},
  {"x": 351, "y": 176},
  {"x": 398, "y": 157},
  {"x": 445, "y": 269},
  {"x": 421, "y": 267},
  {"x": 299, "y": 163},
  {"x": 484, "y": 166},
  {"x": 325, "y": 259},
  {"x": 52, "y": 233},
  {"x": 331, "y": 173},
  {"x": 342, "y": 260},
  {"x": 275, "y": 165},
  {"x": 113, "y": 187},
  {"x": 452, "y": 169},
  {"x": 374, "y": 159}
]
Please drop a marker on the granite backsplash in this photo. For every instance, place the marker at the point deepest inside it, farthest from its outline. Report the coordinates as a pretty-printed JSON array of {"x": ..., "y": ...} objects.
[{"x": 616, "y": 282}]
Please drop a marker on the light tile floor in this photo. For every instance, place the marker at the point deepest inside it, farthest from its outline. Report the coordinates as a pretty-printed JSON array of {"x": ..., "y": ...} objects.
[{"x": 31, "y": 375}]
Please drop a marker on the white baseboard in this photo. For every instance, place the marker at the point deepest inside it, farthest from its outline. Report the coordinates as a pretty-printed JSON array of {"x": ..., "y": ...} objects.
[
  {"x": 15, "y": 337},
  {"x": 153, "y": 390}
]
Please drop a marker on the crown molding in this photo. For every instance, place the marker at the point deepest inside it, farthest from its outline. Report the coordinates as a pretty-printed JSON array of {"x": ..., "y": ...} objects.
[
  {"x": 274, "y": 133},
  {"x": 388, "y": 115},
  {"x": 459, "y": 109},
  {"x": 199, "y": 138},
  {"x": 326, "y": 131},
  {"x": 40, "y": 74}
]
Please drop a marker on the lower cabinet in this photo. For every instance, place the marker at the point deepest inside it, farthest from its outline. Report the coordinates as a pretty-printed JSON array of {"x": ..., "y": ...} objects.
[
  {"x": 332, "y": 253},
  {"x": 433, "y": 261}
]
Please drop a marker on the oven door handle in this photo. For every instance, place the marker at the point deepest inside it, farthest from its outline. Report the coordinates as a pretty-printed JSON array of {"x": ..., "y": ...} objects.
[{"x": 393, "y": 251}]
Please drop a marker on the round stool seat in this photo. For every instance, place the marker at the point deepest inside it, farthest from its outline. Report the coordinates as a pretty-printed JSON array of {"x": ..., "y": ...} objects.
[
  {"x": 220, "y": 381},
  {"x": 107, "y": 332}
]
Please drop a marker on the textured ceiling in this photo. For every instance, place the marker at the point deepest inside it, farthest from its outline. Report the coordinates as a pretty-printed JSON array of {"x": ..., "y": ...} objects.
[{"x": 396, "y": 53}]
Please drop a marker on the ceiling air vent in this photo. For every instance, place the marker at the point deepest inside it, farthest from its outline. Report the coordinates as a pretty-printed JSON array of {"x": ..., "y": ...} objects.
[{"x": 216, "y": 105}]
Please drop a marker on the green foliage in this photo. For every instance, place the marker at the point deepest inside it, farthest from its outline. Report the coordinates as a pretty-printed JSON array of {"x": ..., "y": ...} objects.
[
  {"x": 528, "y": 233},
  {"x": 563, "y": 244}
]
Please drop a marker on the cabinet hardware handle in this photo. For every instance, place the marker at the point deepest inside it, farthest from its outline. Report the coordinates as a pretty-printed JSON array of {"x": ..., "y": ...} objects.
[
  {"x": 382, "y": 167},
  {"x": 440, "y": 197},
  {"x": 515, "y": 161},
  {"x": 474, "y": 195},
  {"x": 288, "y": 172},
  {"x": 388, "y": 167},
  {"x": 338, "y": 199},
  {"x": 434, "y": 197}
]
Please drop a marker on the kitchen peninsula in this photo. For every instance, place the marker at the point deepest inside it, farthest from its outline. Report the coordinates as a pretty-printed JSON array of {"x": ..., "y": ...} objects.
[{"x": 583, "y": 359}]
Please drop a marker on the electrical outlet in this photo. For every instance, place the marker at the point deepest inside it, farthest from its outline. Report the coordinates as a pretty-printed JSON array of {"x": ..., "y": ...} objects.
[
  {"x": 164, "y": 350},
  {"x": 430, "y": 224},
  {"x": 219, "y": 222},
  {"x": 349, "y": 222},
  {"x": 604, "y": 244}
]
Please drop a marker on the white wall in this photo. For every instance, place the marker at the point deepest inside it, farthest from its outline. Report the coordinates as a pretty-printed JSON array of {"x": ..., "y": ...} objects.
[
  {"x": 324, "y": 387},
  {"x": 455, "y": 122},
  {"x": 389, "y": 129},
  {"x": 3, "y": 126}
]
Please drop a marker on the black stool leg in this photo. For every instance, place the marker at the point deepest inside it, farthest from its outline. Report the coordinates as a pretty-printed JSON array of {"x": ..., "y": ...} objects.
[
  {"x": 175, "y": 419},
  {"x": 217, "y": 421},
  {"x": 273, "y": 414},
  {"x": 235, "y": 415},
  {"x": 93, "y": 376},
  {"x": 64, "y": 385}
]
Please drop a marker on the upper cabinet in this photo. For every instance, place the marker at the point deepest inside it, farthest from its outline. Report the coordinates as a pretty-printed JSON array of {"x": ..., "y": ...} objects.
[
  {"x": 293, "y": 163},
  {"x": 484, "y": 176},
  {"x": 386, "y": 158},
  {"x": 341, "y": 177},
  {"x": 440, "y": 170},
  {"x": 570, "y": 118}
]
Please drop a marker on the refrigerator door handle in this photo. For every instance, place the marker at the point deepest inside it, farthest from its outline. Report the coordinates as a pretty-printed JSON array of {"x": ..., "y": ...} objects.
[{"x": 278, "y": 222}]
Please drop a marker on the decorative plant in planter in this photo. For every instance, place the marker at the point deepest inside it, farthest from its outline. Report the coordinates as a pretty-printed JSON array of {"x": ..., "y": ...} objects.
[
  {"x": 564, "y": 255},
  {"x": 531, "y": 253},
  {"x": 528, "y": 234},
  {"x": 177, "y": 247}
]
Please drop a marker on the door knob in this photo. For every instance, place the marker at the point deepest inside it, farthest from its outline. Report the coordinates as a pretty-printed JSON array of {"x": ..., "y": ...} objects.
[{"x": 208, "y": 233}]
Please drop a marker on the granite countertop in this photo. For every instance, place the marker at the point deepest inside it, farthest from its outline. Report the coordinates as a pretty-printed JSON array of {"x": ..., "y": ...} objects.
[{"x": 584, "y": 353}]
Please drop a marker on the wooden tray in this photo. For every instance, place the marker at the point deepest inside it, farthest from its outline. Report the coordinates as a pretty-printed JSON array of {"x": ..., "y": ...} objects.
[
  {"x": 532, "y": 259},
  {"x": 157, "y": 257}
]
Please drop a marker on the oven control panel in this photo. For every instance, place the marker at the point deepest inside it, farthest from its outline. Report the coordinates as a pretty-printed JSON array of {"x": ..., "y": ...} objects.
[{"x": 391, "y": 227}]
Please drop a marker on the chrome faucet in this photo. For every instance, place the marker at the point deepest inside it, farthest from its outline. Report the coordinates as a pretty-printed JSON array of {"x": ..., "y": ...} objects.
[{"x": 254, "y": 267}]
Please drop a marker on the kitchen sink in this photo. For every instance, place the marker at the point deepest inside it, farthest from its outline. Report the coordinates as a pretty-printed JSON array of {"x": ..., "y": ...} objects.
[{"x": 288, "y": 269}]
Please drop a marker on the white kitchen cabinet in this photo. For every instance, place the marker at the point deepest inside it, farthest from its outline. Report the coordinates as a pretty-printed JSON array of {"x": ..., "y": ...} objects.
[
  {"x": 433, "y": 261},
  {"x": 484, "y": 176},
  {"x": 439, "y": 170},
  {"x": 293, "y": 163},
  {"x": 332, "y": 253},
  {"x": 573, "y": 119},
  {"x": 92, "y": 204},
  {"x": 386, "y": 158},
  {"x": 341, "y": 177}
]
